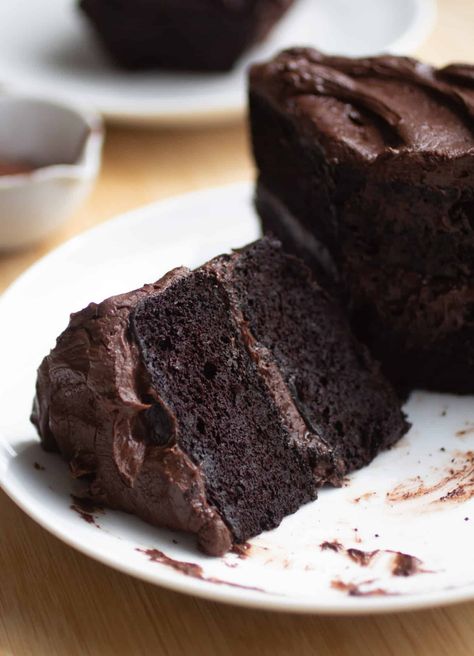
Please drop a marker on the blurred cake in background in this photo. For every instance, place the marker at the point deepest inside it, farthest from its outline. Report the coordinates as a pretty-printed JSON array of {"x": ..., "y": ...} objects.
[{"x": 206, "y": 35}]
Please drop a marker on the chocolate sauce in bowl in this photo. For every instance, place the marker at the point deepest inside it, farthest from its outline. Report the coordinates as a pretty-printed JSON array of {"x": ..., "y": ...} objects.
[{"x": 16, "y": 168}]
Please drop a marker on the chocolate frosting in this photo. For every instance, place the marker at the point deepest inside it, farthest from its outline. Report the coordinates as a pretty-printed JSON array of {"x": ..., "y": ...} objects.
[
  {"x": 374, "y": 105},
  {"x": 92, "y": 392}
]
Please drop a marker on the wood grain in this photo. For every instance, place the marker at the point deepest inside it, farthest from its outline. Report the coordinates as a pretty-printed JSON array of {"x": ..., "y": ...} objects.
[{"x": 56, "y": 601}]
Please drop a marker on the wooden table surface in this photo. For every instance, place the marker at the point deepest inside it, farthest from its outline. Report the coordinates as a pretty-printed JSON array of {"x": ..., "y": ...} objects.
[{"x": 54, "y": 600}]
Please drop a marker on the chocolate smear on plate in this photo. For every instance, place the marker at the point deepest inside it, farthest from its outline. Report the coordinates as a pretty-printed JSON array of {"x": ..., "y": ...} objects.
[
  {"x": 86, "y": 509},
  {"x": 455, "y": 486},
  {"x": 191, "y": 569}
]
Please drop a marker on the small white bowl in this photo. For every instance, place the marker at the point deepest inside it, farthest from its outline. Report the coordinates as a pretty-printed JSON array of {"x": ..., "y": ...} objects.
[{"x": 65, "y": 144}]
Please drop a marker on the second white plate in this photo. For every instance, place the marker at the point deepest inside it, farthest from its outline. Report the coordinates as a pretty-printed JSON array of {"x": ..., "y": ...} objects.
[{"x": 46, "y": 48}]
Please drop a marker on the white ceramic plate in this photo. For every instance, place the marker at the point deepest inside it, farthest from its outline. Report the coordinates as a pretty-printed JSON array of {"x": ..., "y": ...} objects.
[
  {"x": 45, "y": 47},
  {"x": 416, "y": 499}
]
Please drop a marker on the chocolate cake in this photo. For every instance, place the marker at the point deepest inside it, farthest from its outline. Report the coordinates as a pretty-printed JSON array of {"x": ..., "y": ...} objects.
[
  {"x": 206, "y": 35},
  {"x": 215, "y": 401},
  {"x": 366, "y": 169}
]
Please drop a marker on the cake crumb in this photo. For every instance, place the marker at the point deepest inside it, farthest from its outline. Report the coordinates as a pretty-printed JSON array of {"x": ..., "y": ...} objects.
[
  {"x": 241, "y": 550},
  {"x": 364, "y": 497},
  {"x": 331, "y": 546},
  {"x": 354, "y": 589}
]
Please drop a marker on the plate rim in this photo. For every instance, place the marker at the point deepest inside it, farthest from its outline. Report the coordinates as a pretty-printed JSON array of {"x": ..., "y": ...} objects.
[{"x": 161, "y": 574}]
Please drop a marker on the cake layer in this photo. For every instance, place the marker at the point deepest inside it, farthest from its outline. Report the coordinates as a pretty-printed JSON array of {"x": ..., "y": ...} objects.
[
  {"x": 181, "y": 34},
  {"x": 215, "y": 401},
  {"x": 366, "y": 168},
  {"x": 333, "y": 381}
]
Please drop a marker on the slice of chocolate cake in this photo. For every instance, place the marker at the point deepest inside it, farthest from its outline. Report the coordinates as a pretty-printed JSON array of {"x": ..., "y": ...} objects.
[
  {"x": 215, "y": 401},
  {"x": 366, "y": 169},
  {"x": 198, "y": 35}
]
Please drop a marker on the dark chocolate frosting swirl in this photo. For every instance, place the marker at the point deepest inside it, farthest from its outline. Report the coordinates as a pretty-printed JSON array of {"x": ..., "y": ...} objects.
[{"x": 377, "y": 103}]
